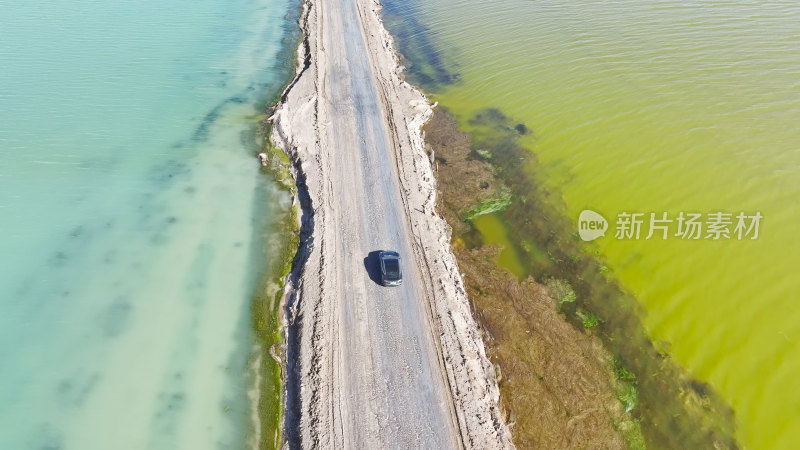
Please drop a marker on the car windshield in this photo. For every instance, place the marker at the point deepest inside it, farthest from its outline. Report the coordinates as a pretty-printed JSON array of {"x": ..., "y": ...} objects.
[{"x": 392, "y": 268}]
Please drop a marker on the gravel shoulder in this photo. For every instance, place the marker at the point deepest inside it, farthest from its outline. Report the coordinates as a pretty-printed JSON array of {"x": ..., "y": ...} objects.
[{"x": 369, "y": 366}]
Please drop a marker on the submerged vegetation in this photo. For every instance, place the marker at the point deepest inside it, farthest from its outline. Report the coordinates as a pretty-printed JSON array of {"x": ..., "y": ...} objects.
[
  {"x": 558, "y": 384},
  {"x": 266, "y": 323},
  {"x": 604, "y": 353},
  {"x": 276, "y": 241},
  {"x": 424, "y": 62},
  {"x": 490, "y": 205},
  {"x": 560, "y": 290},
  {"x": 589, "y": 319}
]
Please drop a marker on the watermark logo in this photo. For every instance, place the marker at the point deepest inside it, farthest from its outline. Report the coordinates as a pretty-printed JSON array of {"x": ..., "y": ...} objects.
[
  {"x": 591, "y": 225},
  {"x": 687, "y": 226}
]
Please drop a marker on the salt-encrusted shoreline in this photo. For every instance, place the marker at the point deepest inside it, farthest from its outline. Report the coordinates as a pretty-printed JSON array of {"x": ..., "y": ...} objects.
[{"x": 302, "y": 128}]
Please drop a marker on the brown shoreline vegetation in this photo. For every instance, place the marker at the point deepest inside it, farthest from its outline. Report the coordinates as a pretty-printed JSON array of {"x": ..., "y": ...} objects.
[{"x": 575, "y": 366}]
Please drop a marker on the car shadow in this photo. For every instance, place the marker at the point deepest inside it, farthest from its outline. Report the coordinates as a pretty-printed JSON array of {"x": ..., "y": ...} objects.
[{"x": 372, "y": 266}]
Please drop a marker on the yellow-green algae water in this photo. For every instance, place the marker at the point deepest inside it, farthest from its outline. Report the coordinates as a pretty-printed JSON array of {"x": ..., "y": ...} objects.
[{"x": 650, "y": 106}]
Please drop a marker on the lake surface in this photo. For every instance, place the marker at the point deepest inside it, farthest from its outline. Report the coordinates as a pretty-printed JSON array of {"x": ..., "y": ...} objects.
[
  {"x": 130, "y": 206},
  {"x": 659, "y": 106}
]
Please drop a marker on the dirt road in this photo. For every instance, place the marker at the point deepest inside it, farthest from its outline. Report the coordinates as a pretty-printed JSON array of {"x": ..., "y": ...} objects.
[{"x": 368, "y": 367}]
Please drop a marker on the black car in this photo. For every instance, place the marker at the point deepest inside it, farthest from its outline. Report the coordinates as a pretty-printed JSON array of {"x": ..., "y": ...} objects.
[{"x": 391, "y": 275}]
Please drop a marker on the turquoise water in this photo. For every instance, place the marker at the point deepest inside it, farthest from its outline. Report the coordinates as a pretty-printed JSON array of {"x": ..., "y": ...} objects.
[{"x": 130, "y": 202}]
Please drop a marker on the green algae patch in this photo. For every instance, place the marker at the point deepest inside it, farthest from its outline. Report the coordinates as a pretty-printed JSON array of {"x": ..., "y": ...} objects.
[
  {"x": 276, "y": 243},
  {"x": 561, "y": 291},
  {"x": 276, "y": 164},
  {"x": 567, "y": 297},
  {"x": 588, "y": 318},
  {"x": 266, "y": 314},
  {"x": 490, "y": 205},
  {"x": 625, "y": 386},
  {"x": 279, "y": 241}
]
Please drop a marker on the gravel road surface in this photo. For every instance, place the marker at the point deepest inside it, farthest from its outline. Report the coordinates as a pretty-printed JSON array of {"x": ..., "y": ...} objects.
[{"x": 388, "y": 385}]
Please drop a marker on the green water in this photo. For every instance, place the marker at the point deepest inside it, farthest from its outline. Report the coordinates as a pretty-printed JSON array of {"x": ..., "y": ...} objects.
[
  {"x": 651, "y": 106},
  {"x": 495, "y": 233}
]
